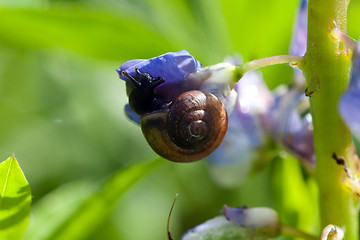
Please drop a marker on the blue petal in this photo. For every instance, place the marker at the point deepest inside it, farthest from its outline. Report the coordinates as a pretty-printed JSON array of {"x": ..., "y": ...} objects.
[
  {"x": 350, "y": 101},
  {"x": 289, "y": 128},
  {"x": 131, "y": 114},
  {"x": 350, "y": 111},
  {"x": 299, "y": 37},
  {"x": 127, "y": 65},
  {"x": 172, "y": 66},
  {"x": 235, "y": 215},
  {"x": 261, "y": 221}
]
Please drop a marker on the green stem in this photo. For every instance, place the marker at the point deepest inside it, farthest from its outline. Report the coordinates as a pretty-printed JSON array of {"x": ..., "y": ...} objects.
[
  {"x": 290, "y": 231},
  {"x": 327, "y": 66},
  {"x": 263, "y": 62}
]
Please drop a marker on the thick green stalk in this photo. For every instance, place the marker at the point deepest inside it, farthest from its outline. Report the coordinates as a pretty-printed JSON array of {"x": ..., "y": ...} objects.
[{"x": 327, "y": 66}]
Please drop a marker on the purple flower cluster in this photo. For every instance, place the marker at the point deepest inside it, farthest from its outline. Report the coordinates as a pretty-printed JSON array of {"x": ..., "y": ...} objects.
[
  {"x": 256, "y": 115},
  {"x": 172, "y": 66},
  {"x": 261, "y": 116}
]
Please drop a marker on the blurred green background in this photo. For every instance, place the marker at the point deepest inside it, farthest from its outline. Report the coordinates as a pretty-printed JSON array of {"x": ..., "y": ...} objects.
[{"x": 61, "y": 103}]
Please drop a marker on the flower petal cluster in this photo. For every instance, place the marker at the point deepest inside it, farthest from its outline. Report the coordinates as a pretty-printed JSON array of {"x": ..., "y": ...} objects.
[
  {"x": 261, "y": 116},
  {"x": 174, "y": 67},
  {"x": 256, "y": 115},
  {"x": 262, "y": 221},
  {"x": 182, "y": 72},
  {"x": 290, "y": 123}
]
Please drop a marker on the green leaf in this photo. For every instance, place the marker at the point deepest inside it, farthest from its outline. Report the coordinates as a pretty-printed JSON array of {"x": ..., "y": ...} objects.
[
  {"x": 93, "y": 33},
  {"x": 15, "y": 200},
  {"x": 76, "y": 211}
]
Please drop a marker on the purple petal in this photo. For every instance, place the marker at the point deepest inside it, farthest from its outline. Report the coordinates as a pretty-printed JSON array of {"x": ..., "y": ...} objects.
[
  {"x": 261, "y": 220},
  {"x": 131, "y": 114},
  {"x": 127, "y": 65},
  {"x": 350, "y": 101},
  {"x": 288, "y": 127},
  {"x": 172, "y": 66},
  {"x": 235, "y": 215},
  {"x": 231, "y": 163},
  {"x": 186, "y": 62},
  {"x": 299, "y": 37},
  {"x": 350, "y": 110}
]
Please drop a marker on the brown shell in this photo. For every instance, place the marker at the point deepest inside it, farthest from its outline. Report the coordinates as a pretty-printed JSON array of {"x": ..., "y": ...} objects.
[{"x": 193, "y": 127}]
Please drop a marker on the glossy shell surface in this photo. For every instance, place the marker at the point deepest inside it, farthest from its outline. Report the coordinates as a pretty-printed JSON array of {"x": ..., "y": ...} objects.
[{"x": 191, "y": 128}]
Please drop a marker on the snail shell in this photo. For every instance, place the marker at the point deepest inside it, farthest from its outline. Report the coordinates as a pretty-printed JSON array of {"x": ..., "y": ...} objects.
[{"x": 191, "y": 128}]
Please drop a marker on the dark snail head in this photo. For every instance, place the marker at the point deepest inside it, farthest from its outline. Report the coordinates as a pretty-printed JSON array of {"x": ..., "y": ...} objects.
[
  {"x": 189, "y": 128},
  {"x": 140, "y": 90}
]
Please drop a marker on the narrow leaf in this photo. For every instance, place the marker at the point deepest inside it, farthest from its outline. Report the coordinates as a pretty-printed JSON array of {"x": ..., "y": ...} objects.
[
  {"x": 15, "y": 200},
  {"x": 76, "y": 213}
]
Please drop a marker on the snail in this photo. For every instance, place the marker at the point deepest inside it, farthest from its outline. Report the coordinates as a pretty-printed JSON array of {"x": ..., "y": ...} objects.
[{"x": 186, "y": 129}]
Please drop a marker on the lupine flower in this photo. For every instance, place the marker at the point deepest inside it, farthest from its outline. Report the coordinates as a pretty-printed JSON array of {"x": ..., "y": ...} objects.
[
  {"x": 262, "y": 221},
  {"x": 232, "y": 161},
  {"x": 161, "y": 99},
  {"x": 259, "y": 115},
  {"x": 290, "y": 123},
  {"x": 174, "y": 67},
  {"x": 350, "y": 100},
  {"x": 289, "y": 120},
  {"x": 181, "y": 72}
]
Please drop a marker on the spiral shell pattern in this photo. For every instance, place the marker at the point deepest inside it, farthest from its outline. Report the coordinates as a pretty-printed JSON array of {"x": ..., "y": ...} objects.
[{"x": 194, "y": 126}]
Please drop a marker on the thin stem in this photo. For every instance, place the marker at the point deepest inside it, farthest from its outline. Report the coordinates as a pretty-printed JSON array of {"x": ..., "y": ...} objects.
[
  {"x": 263, "y": 62},
  {"x": 168, "y": 234},
  {"x": 342, "y": 37},
  {"x": 296, "y": 233}
]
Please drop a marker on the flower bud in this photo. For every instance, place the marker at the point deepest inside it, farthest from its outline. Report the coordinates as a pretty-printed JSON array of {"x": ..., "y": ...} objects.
[
  {"x": 261, "y": 221},
  {"x": 332, "y": 232},
  {"x": 238, "y": 223}
]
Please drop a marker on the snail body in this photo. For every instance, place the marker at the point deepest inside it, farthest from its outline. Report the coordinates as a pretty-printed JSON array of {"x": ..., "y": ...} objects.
[{"x": 187, "y": 129}]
